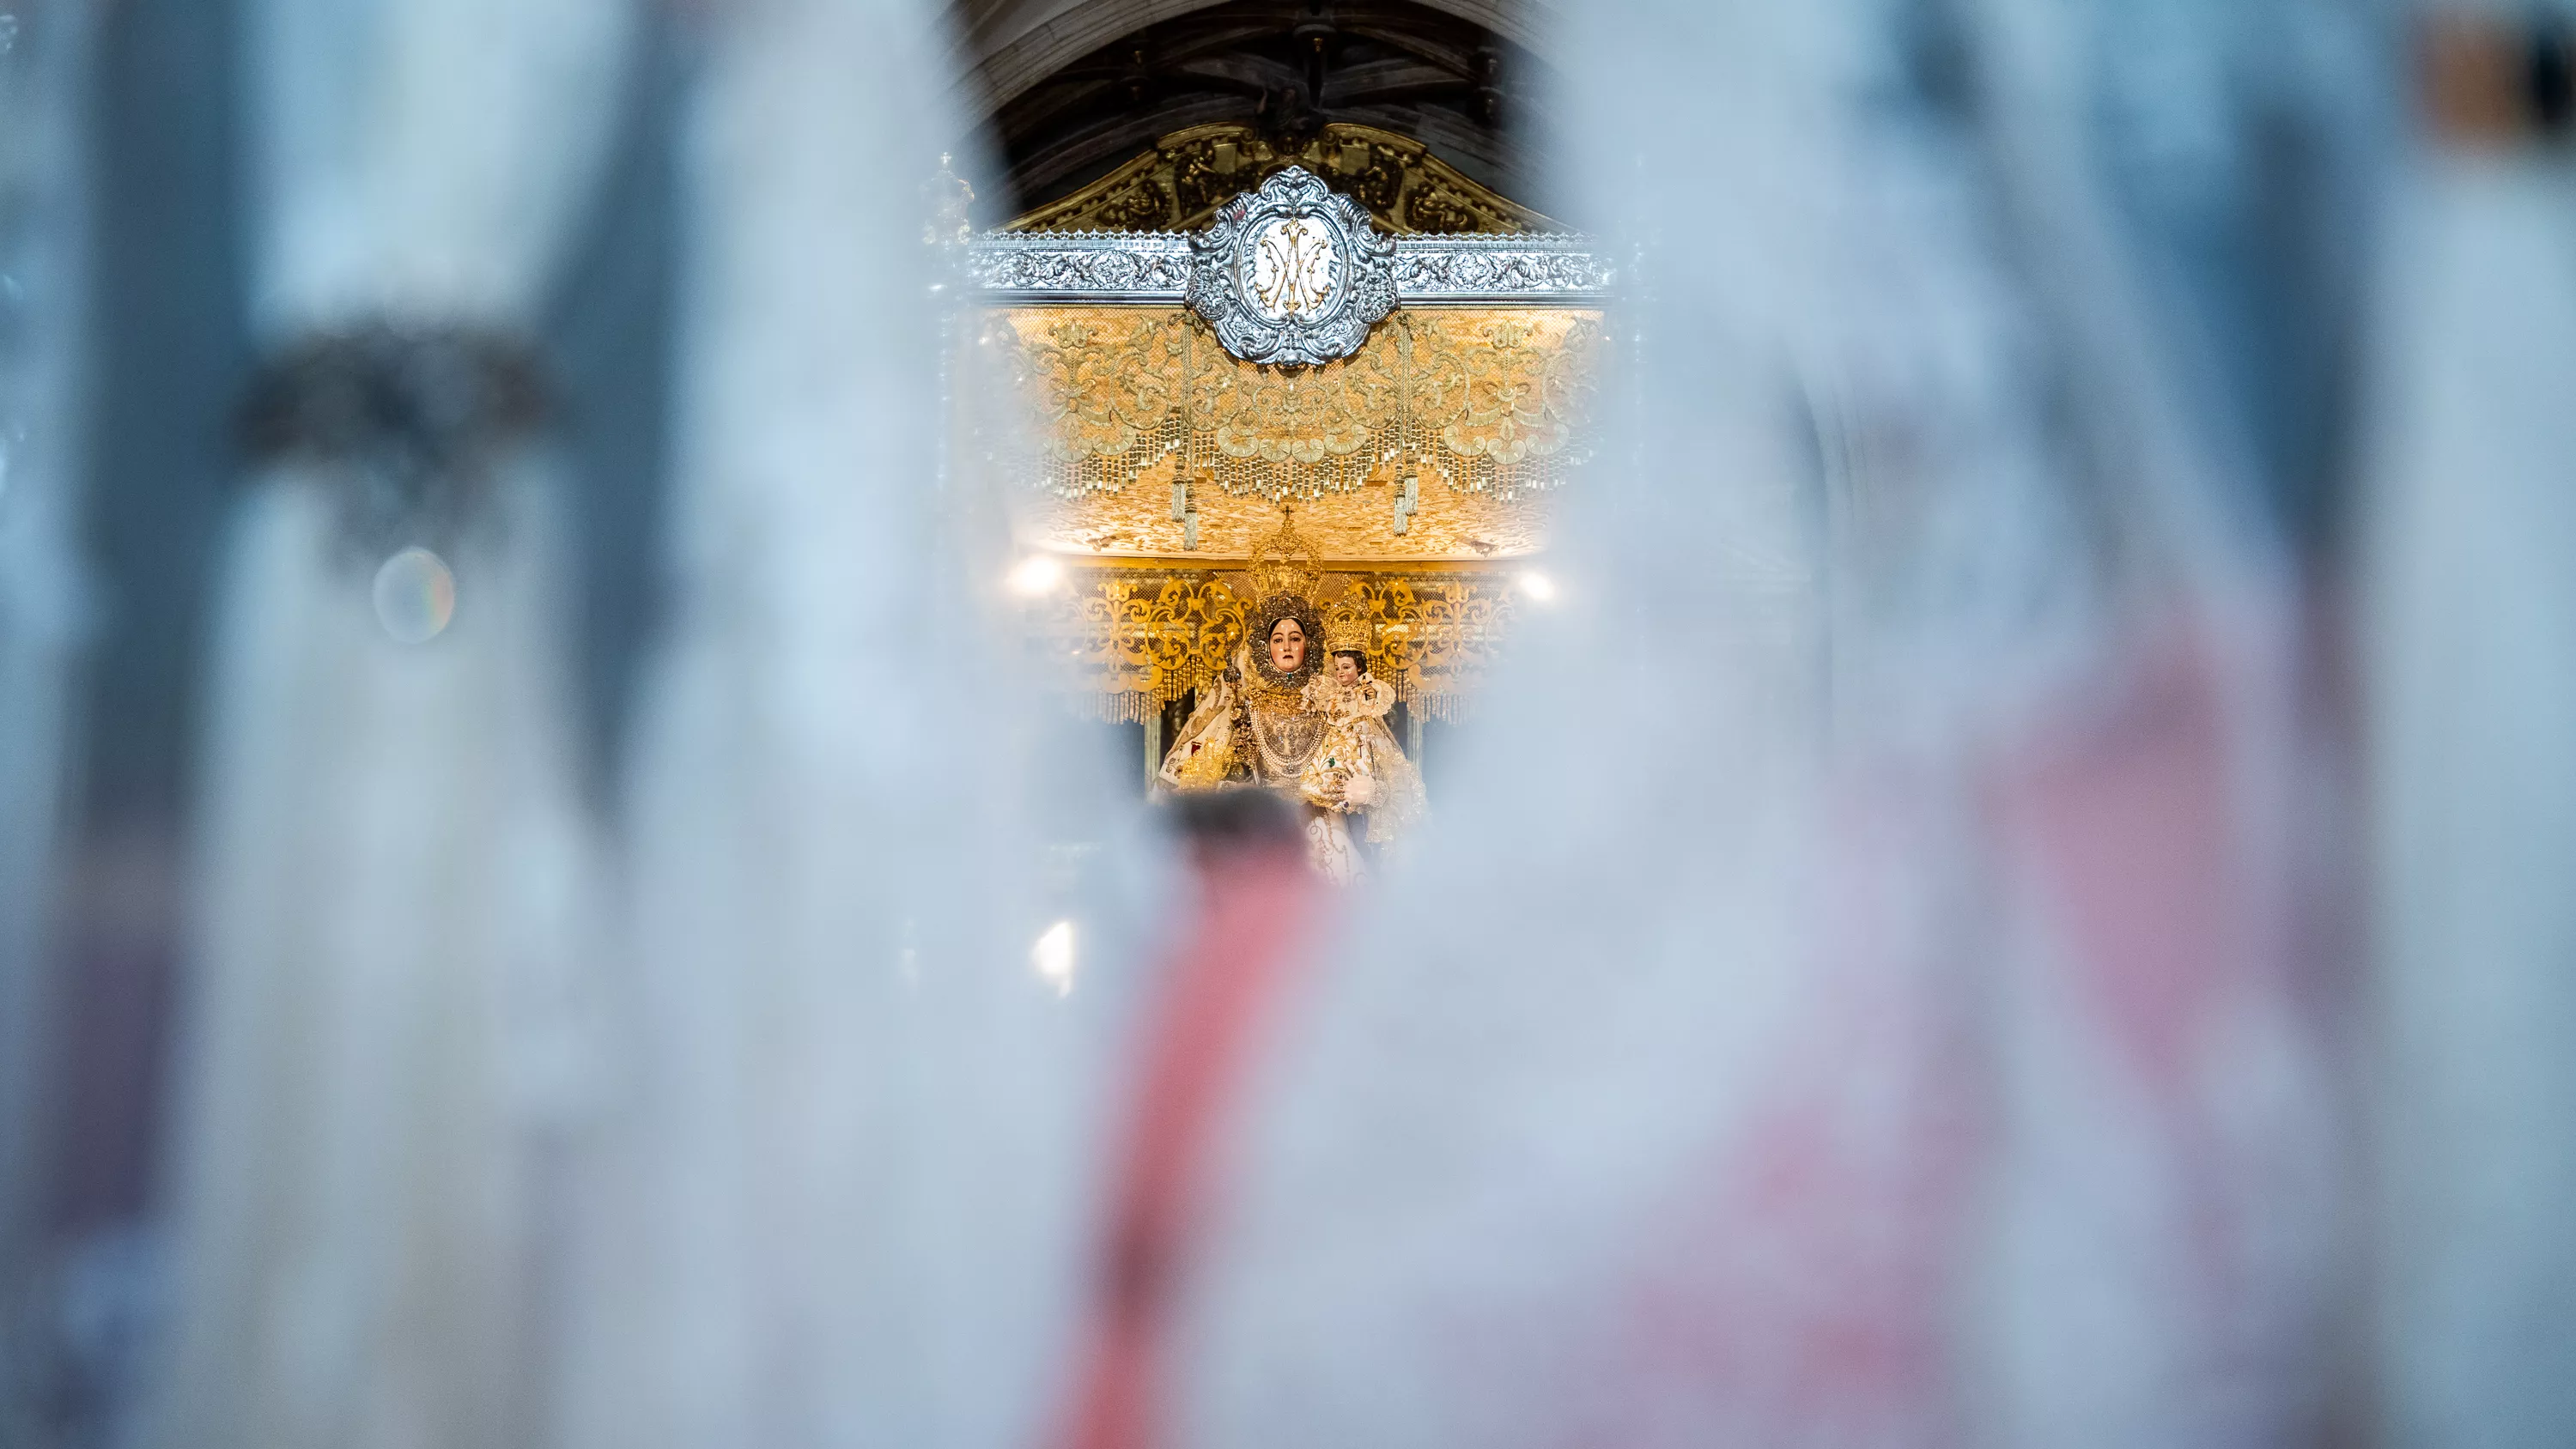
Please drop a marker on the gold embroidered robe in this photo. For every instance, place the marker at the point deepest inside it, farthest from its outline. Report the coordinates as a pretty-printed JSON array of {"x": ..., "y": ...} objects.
[
  {"x": 1248, "y": 731},
  {"x": 1357, "y": 765}
]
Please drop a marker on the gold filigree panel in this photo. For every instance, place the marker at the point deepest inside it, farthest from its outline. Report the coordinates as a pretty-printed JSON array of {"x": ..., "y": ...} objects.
[
  {"x": 1180, "y": 183},
  {"x": 1150, "y": 635},
  {"x": 1132, "y": 640},
  {"x": 1437, "y": 636},
  {"x": 1488, "y": 399}
]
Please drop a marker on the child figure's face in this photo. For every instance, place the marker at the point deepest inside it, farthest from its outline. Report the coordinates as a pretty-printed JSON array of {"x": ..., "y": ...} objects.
[{"x": 1346, "y": 670}]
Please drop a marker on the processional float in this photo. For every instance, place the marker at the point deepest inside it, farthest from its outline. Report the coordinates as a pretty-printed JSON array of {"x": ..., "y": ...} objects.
[{"x": 1404, "y": 357}]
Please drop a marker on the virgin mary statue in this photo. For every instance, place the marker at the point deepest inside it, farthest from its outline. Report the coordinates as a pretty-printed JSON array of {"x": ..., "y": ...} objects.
[{"x": 1266, "y": 721}]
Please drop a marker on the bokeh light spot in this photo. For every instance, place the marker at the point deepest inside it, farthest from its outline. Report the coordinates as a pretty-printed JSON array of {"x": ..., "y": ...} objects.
[
  {"x": 1037, "y": 574},
  {"x": 415, "y": 596},
  {"x": 1052, "y": 957}
]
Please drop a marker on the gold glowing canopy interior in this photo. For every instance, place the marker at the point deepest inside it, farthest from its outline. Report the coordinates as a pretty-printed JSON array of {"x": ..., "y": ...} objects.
[
  {"x": 1419, "y": 468},
  {"x": 1435, "y": 442},
  {"x": 1481, "y": 408}
]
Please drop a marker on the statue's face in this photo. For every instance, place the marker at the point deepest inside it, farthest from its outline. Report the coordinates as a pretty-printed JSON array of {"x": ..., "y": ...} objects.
[
  {"x": 1287, "y": 646},
  {"x": 1346, "y": 670}
]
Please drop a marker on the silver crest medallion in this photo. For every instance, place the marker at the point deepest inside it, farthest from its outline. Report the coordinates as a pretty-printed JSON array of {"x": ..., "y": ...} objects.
[{"x": 1292, "y": 274}]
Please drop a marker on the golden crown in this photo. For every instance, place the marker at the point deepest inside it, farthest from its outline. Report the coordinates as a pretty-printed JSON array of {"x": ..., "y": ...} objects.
[
  {"x": 1284, "y": 564},
  {"x": 1345, "y": 629}
]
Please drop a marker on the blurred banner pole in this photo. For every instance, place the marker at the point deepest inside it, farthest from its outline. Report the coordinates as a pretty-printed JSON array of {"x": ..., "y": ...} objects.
[
  {"x": 380, "y": 1030},
  {"x": 828, "y": 1213},
  {"x": 44, "y": 51},
  {"x": 2469, "y": 561},
  {"x": 1955, "y": 1076}
]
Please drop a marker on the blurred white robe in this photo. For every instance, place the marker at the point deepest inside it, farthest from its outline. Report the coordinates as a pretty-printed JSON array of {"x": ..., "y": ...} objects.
[
  {"x": 2470, "y": 630},
  {"x": 382, "y": 1030}
]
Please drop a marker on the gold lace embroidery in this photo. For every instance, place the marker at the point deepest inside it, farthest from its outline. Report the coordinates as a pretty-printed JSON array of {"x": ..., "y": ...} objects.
[{"x": 1285, "y": 739}]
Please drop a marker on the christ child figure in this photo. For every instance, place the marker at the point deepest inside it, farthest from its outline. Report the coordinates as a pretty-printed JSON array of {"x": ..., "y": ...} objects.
[{"x": 1357, "y": 765}]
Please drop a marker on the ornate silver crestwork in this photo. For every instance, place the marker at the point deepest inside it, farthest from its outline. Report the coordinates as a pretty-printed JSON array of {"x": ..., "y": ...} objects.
[
  {"x": 1296, "y": 266},
  {"x": 1460, "y": 269},
  {"x": 1292, "y": 273},
  {"x": 1083, "y": 266}
]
